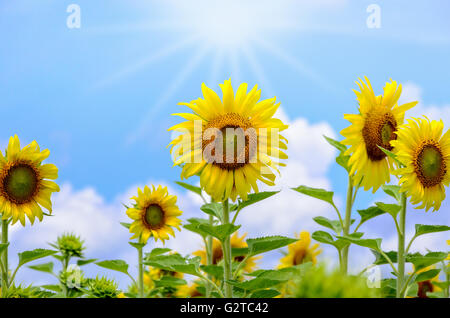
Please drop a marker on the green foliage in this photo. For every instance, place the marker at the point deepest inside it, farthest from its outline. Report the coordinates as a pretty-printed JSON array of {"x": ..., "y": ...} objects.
[
  {"x": 331, "y": 224},
  {"x": 422, "y": 229},
  {"x": 317, "y": 282},
  {"x": 115, "y": 265},
  {"x": 24, "y": 292},
  {"x": 102, "y": 288},
  {"x": 190, "y": 187},
  {"x": 254, "y": 198},
  {"x": 268, "y": 243},
  {"x": 45, "y": 267},
  {"x": 29, "y": 256},
  {"x": 320, "y": 194}
]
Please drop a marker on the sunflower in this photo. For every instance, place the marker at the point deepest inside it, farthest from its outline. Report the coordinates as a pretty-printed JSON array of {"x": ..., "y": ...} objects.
[
  {"x": 375, "y": 126},
  {"x": 425, "y": 153},
  {"x": 23, "y": 185},
  {"x": 154, "y": 213},
  {"x": 188, "y": 291},
  {"x": 300, "y": 252},
  {"x": 427, "y": 286},
  {"x": 230, "y": 143},
  {"x": 235, "y": 242}
]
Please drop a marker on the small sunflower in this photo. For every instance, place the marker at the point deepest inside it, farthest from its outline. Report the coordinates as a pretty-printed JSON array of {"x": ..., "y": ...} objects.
[
  {"x": 300, "y": 252},
  {"x": 374, "y": 126},
  {"x": 230, "y": 143},
  {"x": 154, "y": 213},
  {"x": 235, "y": 242},
  {"x": 425, "y": 152},
  {"x": 188, "y": 291},
  {"x": 23, "y": 185},
  {"x": 427, "y": 286}
]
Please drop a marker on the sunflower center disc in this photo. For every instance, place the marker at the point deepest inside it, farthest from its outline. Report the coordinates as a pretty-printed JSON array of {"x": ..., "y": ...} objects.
[
  {"x": 299, "y": 257},
  {"x": 379, "y": 129},
  {"x": 236, "y": 145},
  {"x": 20, "y": 183},
  {"x": 154, "y": 216},
  {"x": 430, "y": 165}
]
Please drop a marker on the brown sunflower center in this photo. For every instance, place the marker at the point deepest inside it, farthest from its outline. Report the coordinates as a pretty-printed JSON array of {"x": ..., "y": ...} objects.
[
  {"x": 299, "y": 257},
  {"x": 20, "y": 183},
  {"x": 229, "y": 141},
  {"x": 217, "y": 255},
  {"x": 154, "y": 216},
  {"x": 429, "y": 164},
  {"x": 424, "y": 288},
  {"x": 379, "y": 129}
]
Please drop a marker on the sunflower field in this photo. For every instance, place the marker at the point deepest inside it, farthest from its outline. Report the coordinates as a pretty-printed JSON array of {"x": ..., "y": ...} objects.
[
  {"x": 232, "y": 144},
  {"x": 208, "y": 152}
]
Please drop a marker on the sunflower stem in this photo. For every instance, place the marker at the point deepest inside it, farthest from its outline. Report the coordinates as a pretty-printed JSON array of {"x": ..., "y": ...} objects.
[
  {"x": 401, "y": 247},
  {"x": 4, "y": 258},
  {"x": 141, "y": 274},
  {"x": 209, "y": 257},
  {"x": 226, "y": 247},
  {"x": 347, "y": 222}
]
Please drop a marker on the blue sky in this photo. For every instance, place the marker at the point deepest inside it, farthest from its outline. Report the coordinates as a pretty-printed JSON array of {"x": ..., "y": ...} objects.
[{"x": 100, "y": 97}]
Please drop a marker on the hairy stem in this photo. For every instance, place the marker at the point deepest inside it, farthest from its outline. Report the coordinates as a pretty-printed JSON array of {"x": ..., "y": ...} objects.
[
  {"x": 4, "y": 258},
  {"x": 141, "y": 274},
  {"x": 401, "y": 247},
  {"x": 347, "y": 222},
  {"x": 226, "y": 248}
]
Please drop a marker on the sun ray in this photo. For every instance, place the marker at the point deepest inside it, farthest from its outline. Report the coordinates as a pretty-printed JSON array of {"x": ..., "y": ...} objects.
[
  {"x": 155, "y": 57},
  {"x": 168, "y": 93},
  {"x": 257, "y": 70}
]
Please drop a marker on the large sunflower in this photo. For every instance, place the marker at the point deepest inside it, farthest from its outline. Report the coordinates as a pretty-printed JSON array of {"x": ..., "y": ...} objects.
[
  {"x": 230, "y": 143},
  {"x": 425, "y": 152},
  {"x": 23, "y": 185},
  {"x": 154, "y": 213},
  {"x": 236, "y": 242},
  {"x": 374, "y": 126},
  {"x": 300, "y": 252}
]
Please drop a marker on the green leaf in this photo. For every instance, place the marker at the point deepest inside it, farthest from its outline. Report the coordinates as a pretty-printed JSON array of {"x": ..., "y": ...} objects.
[
  {"x": 370, "y": 213},
  {"x": 55, "y": 288},
  {"x": 331, "y": 224},
  {"x": 45, "y": 267},
  {"x": 235, "y": 252},
  {"x": 158, "y": 251},
  {"x": 256, "y": 197},
  {"x": 381, "y": 260},
  {"x": 323, "y": 237},
  {"x": 392, "y": 209},
  {"x": 190, "y": 187},
  {"x": 213, "y": 270},
  {"x": 221, "y": 232},
  {"x": 126, "y": 225},
  {"x": 115, "y": 265},
  {"x": 427, "y": 275},
  {"x": 214, "y": 209},
  {"x": 422, "y": 229},
  {"x": 320, "y": 194},
  {"x": 374, "y": 244},
  {"x": 335, "y": 144},
  {"x": 268, "y": 243},
  {"x": 265, "y": 293},
  {"x": 169, "y": 281},
  {"x": 29, "y": 256},
  {"x": 82, "y": 262},
  {"x": 422, "y": 261},
  {"x": 342, "y": 160},
  {"x": 391, "y": 155},
  {"x": 137, "y": 245},
  {"x": 176, "y": 263},
  {"x": 193, "y": 226},
  {"x": 393, "y": 191}
]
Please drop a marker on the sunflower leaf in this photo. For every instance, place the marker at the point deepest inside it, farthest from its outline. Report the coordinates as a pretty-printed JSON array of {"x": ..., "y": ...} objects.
[
  {"x": 393, "y": 191},
  {"x": 115, "y": 265},
  {"x": 331, "y": 224},
  {"x": 432, "y": 273},
  {"x": 265, "y": 293},
  {"x": 157, "y": 251},
  {"x": 422, "y": 229},
  {"x": 336, "y": 144},
  {"x": 391, "y": 209},
  {"x": 29, "y": 256},
  {"x": 169, "y": 281},
  {"x": 126, "y": 225},
  {"x": 213, "y": 270},
  {"x": 256, "y": 197},
  {"x": 370, "y": 213},
  {"x": 221, "y": 232},
  {"x": 45, "y": 267},
  {"x": 342, "y": 160},
  {"x": 190, "y": 187},
  {"x": 214, "y": 209},
  {"x": 422, "y": 261},
  {"x": 320, "y": 194},
  {"x": 391, "y": 155},
  {"x": 268, "y": 243},
  {"x": 374, "y": 244},
  {"x": 3, "y": 246},
  {"x": 82, "y": 262}
]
